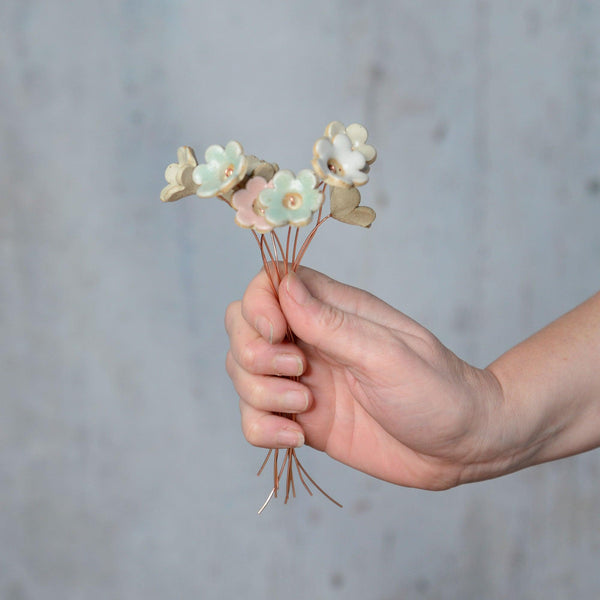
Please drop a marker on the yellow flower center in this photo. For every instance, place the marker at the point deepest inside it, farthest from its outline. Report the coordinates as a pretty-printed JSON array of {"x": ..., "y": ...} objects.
[
  {"x": 258, "y": 208},
  {"x": 292, "y": 201},
  {"x": 335, "y": 167}
]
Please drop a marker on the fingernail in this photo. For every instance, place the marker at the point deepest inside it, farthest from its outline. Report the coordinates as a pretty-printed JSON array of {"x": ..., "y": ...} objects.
[
  {"x": 294, "y": 401},
  {"x": 296, "y": 289},
  {"x": 290, "y": 439},
  {"x": 288, "y": 364},
  {"x": 265, "y": 328}
]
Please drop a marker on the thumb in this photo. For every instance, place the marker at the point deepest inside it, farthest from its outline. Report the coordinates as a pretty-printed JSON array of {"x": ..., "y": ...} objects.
[{"x": 344, "y": 336}]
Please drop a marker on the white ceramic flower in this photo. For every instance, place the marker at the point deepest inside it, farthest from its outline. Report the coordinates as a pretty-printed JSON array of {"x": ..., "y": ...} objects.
[
  {"x": 337, "y": 163},
  {"x": 358, "y": 135}
]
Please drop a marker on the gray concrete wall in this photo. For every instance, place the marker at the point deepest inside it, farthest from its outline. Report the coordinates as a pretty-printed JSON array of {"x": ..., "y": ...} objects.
[{"x": 123, "y": 473}]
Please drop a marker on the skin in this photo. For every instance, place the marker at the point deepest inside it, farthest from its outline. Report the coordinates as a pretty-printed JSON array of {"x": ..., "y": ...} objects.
[{"x": 375, "y": 390}]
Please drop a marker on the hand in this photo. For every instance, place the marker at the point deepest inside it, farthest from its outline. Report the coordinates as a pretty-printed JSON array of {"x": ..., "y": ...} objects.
[{"x": 375, "y": 390}]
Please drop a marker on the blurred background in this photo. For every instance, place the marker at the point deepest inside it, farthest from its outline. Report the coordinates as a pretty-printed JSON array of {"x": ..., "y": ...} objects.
[{"x": 123, "y": 471}]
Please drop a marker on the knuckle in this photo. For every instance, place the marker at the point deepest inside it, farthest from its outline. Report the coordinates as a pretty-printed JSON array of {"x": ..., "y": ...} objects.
[
  {"x": 256, "y": 395},
  {"x": 248, "y": 358},
  {"x": 331, "y": 318},
  {"x": 252, "y": 432},
  {"x": 231, "y": 313}
]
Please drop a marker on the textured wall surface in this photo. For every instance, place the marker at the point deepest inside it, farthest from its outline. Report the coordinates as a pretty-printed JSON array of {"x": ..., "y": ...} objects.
[{"x": 123, "y": 473}]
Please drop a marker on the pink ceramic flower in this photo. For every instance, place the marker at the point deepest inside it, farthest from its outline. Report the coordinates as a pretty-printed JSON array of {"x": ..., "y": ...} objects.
[{"x": 249, "y": 212}]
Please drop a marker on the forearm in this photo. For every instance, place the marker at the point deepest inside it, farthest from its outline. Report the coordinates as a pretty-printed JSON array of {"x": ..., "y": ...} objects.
[{"x": 551, "y": 388}]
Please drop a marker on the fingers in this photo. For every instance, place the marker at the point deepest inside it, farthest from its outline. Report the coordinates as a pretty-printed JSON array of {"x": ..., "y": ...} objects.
[
  {"x": 350, "y": 339},
  {"x": 262, "y": 396},
  {"x": 256, "y": 355},
  {"x": 267, "y": 430},
  {"x": 355, "y": 301},
  {"x": 253, "y": 365},
  {"x": 260, "y": 308},
  {"x": 264, "y": 393}
]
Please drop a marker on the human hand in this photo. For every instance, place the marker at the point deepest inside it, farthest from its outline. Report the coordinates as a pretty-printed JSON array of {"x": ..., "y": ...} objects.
[{"x": 374, "y": 389}]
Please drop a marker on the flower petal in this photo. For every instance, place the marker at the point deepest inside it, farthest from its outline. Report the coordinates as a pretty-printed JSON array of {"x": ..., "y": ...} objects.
[
  {"x": 354, "y": 161},
  {"x": 323, "y": 148},
  {"x": 213, "y": 153},
  {"x": 199, "y": 174},
  {"x": 233, "y": 150},
  {"x": 307, "y": 178},
  {"x": 357, "y": 133},
  {"x": 360, "y": 178},
  {"x": 283, "y": 179},
  {"x": 368, "y": 152},
  {"x": 334, "y": 128},
  {"x": 342, "y": 143}
]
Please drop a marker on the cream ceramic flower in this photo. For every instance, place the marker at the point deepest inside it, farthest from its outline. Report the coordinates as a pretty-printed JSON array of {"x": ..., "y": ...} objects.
[
  {"x": 179, "y": 176},
  {"x": 358, "y": 136},
  {"x": 337, "y": 163},
  {"x": 224, "y": 168},
  {"x": 291, "y": 200},
  {"x": 249, "y": 212}
]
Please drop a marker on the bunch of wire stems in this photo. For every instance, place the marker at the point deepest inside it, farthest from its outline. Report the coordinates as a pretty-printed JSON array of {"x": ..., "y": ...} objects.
[{"x": 279, "y": 260}]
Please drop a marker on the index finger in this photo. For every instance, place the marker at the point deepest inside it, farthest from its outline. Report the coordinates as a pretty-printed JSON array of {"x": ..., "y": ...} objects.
[{"x": 261, "y": 310}]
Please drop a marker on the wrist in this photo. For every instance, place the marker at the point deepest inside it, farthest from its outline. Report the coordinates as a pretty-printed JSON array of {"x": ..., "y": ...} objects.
[{"x": 501, "y": 440}]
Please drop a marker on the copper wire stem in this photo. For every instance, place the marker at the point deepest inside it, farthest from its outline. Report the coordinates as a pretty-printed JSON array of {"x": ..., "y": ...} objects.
[
  {"x": 276, "y": 270},
  {"x": 265, "y": 462},
  {"x": 260, "y": 242},
  {"x": 277, "y": 244},
  {"x": 307, "y": 241},
  {"x": 287, "y": 248},
  {"x": 275, "y": 473},
  {"x": 301, "y": 468},
  {"x": 295, "y": 244},
  {"x": 301, "y": 477},
  {"x": 276, "y": 259},
  {"x": 291, "y": 453}
]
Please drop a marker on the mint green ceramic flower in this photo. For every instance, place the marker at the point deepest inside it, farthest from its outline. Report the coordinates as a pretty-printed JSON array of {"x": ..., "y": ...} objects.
[
  {"x": 292, "y": 200},
  {"x": 224, "y": 168}
]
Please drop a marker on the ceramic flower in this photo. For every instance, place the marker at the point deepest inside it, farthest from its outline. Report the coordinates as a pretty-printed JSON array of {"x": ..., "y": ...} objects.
[
  {"x": 179, "y": 176},
  {"x": 249, "y": 212},
  {"x": 292, "y": 200},
  {"x": 224, "y": 168},
  {"x": 337, "y": 163},
  {"x": 358, "y": 136}
]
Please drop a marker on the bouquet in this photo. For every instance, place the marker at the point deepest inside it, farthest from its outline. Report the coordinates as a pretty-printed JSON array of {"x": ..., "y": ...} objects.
[{"x": 266, "y": 199}]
